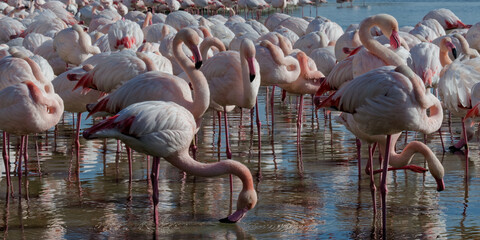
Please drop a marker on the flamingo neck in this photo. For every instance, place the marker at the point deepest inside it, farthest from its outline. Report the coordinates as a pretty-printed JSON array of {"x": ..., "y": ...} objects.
[
  {"x": 84, "y": 41},
  {"x": 201, "y": 90},
  {"x": 377, "y": 49},
  {"x": 150, "y": 66},
  {"x": 444, "y": 58},
  {"x": 406, "y": 156},
  {"x": 249, "y": 95},
  {"x": 184, "y": 162},
  {"x": 277, "y": 56},
  {"x": 208, "y": 43},
  {"x": 465, "y": 46}
]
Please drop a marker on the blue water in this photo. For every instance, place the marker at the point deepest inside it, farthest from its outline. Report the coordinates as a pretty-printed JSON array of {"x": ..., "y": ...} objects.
[{"x": 406, "y": 13}]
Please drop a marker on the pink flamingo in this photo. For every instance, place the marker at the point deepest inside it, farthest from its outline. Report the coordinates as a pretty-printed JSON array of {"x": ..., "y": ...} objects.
[
  {"x": 385, "y": 101},
  {"x": 235, "y": 73},
  {"x": 398, "y": 161},
  {"x": 161, "y": 86},
  {"x": 73, "y": 45},
  {"x": 26, "y": 108},
  {"x": 165, "y": 129},
  {"x": 446, "y": 18},
  {"x": 371, "y": 56},
  {"x": 307, "y": 82}
]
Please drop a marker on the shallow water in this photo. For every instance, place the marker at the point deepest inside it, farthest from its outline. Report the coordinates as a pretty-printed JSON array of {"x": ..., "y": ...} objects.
[{"x": 314, "y": 193}]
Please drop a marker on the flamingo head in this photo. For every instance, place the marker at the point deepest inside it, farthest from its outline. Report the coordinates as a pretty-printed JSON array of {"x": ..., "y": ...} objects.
[
  {"x": 192, "y": 40},
  {"x": 447, "y": 41},
  {"x": 395, "y": 39},
  {"x": 247, "y": 199},
  {"x": 248, "y": 49}
]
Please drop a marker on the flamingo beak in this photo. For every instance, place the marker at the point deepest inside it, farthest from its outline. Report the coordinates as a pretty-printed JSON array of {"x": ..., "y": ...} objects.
[
  {"x": 235, "y": 217},
  {"x": 395, "y": 39},
  {"x": 440, "y": 185},
  {"x": 196, "y": 56},
  {"x": 251, "y": 68},
  {"x": 452, "y": 48}
]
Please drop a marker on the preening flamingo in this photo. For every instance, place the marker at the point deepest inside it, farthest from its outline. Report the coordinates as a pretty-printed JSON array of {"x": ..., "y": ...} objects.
[
  {"x": 371, "y": 56},
  {"x": 385, "y": 101},
  {"x": 165, "y": 129},
  {"x": 73, "y": 45}
]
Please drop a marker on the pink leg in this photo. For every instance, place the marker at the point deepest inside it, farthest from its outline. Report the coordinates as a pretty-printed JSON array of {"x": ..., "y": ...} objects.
[
  {"x": 6, "y": 161},
  {"x": 464, "y": 132},
  {"x": 77, "y": 133},
  {"x": 259, "y": 125},
  {"x": 373, "y": 189},
  {"x": 284, "y": 95},
  {"x": 129, "y": 157},
  {"x": 383, "y": 187},
  {"x": 299, "y": 119},
  {"x": 227, "y": 142},
  {"x": 272, "y": 100},
  {"x": 219, "y": 130},
  {"x": 441, "y": 139},
  {"x": 154, "y": 179},
  {"x": 19, "y": 167},
  {"x": 359, "y": 148}
]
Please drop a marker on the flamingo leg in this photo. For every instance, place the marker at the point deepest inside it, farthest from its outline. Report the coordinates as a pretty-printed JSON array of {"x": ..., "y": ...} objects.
[
  {"x": 129, "y": 157},
  {"x": 219, "y": 130},
  {"x": 441, "y": 138},
  {"x": 6, "y": 161},
  {"x": 272, "y": 100},
  {"x": 259, "y": 125},
  {"x": 77, "y": 133},
  {"x": 373, "y": 189},
  {"x": 359, "y": 156},
  {"x": 383, "y": 186},
  {"x": 464, "y": 132},
  {"x": 154, "y": 179},
  {"x": 227, "y": 142},
  {"x": 299, "y": 119}
]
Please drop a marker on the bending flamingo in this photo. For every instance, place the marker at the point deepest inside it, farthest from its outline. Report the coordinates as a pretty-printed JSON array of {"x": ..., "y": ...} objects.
[
  {"x": 386, "y": 101},
  {"x": 165, "y": 129}
]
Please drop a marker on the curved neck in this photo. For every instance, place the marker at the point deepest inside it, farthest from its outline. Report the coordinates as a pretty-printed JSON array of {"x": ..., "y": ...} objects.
[
  {"x": 277, "y": 56},
  {"x": 377, "y": 49},
  {"x": 465, "y": 46},
  {"x": 147, "y": 20},
  {"x": 201, "y": 90},
  {"x": 444, "y": 58},
  {"x": 426, "y": 101},
  {"x": 184, "y": 162},
  {"x": 305, "y": 70},
  {"x": 84, "y": 42},
  {"x": 208, "y": 43},
  {"x": 284, "y": 45},
  {"x": 150, "y": 66},
  {"x": 406, "y": 156}
]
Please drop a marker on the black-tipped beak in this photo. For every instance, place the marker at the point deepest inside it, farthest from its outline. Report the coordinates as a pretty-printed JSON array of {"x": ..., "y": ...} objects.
[
  {"x": 198, "y": 64},
  {"x": 454, "y": 52},
  {"x": 226, "y": 220},
  {"x": 252, "y": 77}
]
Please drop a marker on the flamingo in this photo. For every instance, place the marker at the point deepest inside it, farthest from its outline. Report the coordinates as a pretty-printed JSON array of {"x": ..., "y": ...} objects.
[
  {"x": 28, "y": 107},
  {"x": 113, "y": 71},
  {"x": 426, "y": 62},
  {"x": 165, "y": 129},
  {"x": 73, "y": 45},
  {"x": 371, "y": 56},
  {"x": 125, "y": 34},
  {"x": 308, "y": 82},
  {"x": 473, "y": 36},
  {"x": 446, "y": 18},
  {"x": 385, "y": 101},
  {"x": 398, "y": 161},
  {"x": 160, "y": 86},
  {"x": 74, "y": 101},
  {"x": 230, "y": 70},
  {"x": 455, "y": 86}
]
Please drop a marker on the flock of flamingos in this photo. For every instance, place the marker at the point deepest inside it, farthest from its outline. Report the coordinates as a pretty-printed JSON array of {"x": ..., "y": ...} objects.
[{"x": 158, "y": 74}]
